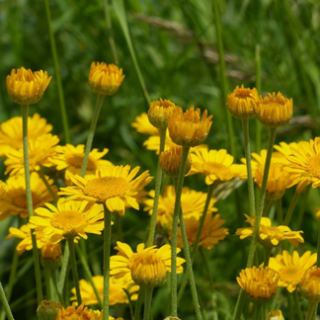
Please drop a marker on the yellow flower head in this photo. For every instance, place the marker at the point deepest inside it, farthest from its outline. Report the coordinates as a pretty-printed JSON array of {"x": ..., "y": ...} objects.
[
  {"x": 275, "y": 110},
  {"x": 115, "y": 186},
  {"x": 116, "y": 294},
  {"x": 310, "y": 285},
  {"x": 269, "y": 235},
  {"x": 211, "y": 233},
  {"x": 275, "y": 315},
  {"x": 14, "y": 201},
  {"x": 146, "y": 267},
  {"x": 187, "y": 129},
  {"x": 26, "y": 87},
  {"x": 159, "y": 113},
  {"x": 170, "y": 162},
  {"x": 291, "y": 268},
  {"x": 259, "y": 284},
  {"x": 143, "y": 125},
  {"x": 51, "y": 255},
  {"x": 11, "y": 132},
  {"x": 69, "y": 219},
  {"x": 192, "y": 204},
  {"x": 242, "y": 101},
  {"x": 105, "y": 79}
]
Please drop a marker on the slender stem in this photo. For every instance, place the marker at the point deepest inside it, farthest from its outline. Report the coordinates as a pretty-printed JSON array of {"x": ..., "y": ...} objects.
[
  {"x": 47, "y": 282},
  {"x": 64, "y": 268},
  {"x": 92, "y": 129},
  {"x": 74, "y": 268},
  {"x": 119, "y": 227},
  {"x": 311, "y": 310},
  {"x": 45, "y": 181},
  {"x": 153, "y": 219},
  {"x": 106, "y": 259},
  {"x": 5, "y": 303},
  {"x": 137, "y": 310},
  {"x": 25, "y": 110},
  {"x": 279, "y": 211},
  {"x": 147, "y": 303},
  {"x": 258, "y": 312},
  {"x": 292, "y": 206},
  {"x": 55, "y": 285},
  {"x": 177, "y": 205},
  {"x": 267, "y": 207},
  {"x": 258, "y": 87},
  {"x": 57, "y": 74},
  {"x": 303, "y": 207},
  {"x": 267, "y": 253},
  {"x": 297, "y": 305}
]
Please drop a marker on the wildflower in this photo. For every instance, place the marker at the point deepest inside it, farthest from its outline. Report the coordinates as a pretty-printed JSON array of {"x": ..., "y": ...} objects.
[
  {"x": 48, "y": 310},
  {"x": 259, "y": 284},
  {"x": 3, "y": 190},
  {"x": 159, "y": 113},
  {"x": 275, "y": 315},
  {"x": 187, "y": 129},
  {"x": 115, "y": 186},
  {"x": 291, "y": 268},
  {"x": 105, "y": 79},
  {"x": 26, "y": 87},
  {"x": 143, "y": 125},
  {"x": 242, "y": 101},
  {"x": 274, "y": 111},
  {"x": 146, "y": 267},
  {"x": 310, "y": 285},
  {"x": 51, "y": 255},
  {"x": 269, "y": 235},
  {"x": 14, "y": 201}
]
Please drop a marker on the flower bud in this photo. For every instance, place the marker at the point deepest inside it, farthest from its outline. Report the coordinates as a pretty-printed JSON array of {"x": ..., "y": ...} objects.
[{"x": 51, "y": 256}]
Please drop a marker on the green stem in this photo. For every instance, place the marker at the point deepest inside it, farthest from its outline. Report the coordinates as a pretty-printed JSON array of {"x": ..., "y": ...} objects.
[
  {"x": 311, "y": 310},
  {"x": 119, "y": 227},
  {"x": 153, "y": 219},
  {"x": 258, "y": 87},
  {"x": 64, "y": 268},
  {"x": 292, "y": 206},
  {"x": 5, "y": 303},
  {"x": 25, "y": 110},
  {"x": 267, "y": 253},
  {"x": 279, "y": 211},
  {"x": 45, "y": 181},
  {"x": 57, "y": 74},
  {"x": 106, "y": 259},
  {"x": 297, "y": 305},
  {"x": 258, "y": 312},
  {"x": 92, "y": 129},
  {"x": 74, "y": 268},
  {"x": 55, "y": 286},
  {"x": 147, "y": 303},
  {"x": 48, "y": 283},
  {"x": 177, "y": 205},
  {"x": 267, "y": 207},
  {"x": 137, "y": 310},
  {"x": 303, "y": 207}
]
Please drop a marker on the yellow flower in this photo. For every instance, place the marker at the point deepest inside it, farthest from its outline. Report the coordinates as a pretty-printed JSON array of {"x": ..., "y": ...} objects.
[
  {"x": 159, "y": 113},
  {"x": 213, "y": 164},
  {"x": 3, "y": 190},
  {"x": 269, "y": 235},
  {"x": 26, "y": 87},
  {"x": 274, "y": 111},
  {"x": 105, "y": 79},
  {"x": 259, "y": 284},
  {"x": 143, "y": 125},
  {"x": 310, "y": 284},
  {"x": 40, "y": 152},
  {"x": 211, "y": 233},
  {"x": 187, "y": 129},
  {"x": 11, "y": 132},
  {"x": 116, "y": 294},
  {"x": 275, "y": 315},
  {"x": 14, "y": 201},
  {"x": 51, "y": 255},
  {"x": 115, "y": 186},
  {"x": 242, "y": 101},
  {"x": 69, "y": 219},
  {"x": 170, "y": 162},
  {"x": 192, "y": 204},
  {"x": 291, "y": 268},
  {"x": 146, "y": 267},
  {"x": 70, "y": 158}
]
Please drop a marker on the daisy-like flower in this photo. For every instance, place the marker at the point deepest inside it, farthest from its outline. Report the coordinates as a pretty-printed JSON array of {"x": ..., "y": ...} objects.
[
  {"x": 259, "y": 284},
  {"x": 69, "y": 219},
  {"x": 40, "y": 152},
  {"x": 11, "y": 132},
  {"x": 115, "y": 186},
  {"x": 270, "y": 236},
  {"x": 70, "y": 158},
  {"x": 26, "y": 87},
  {"x": 143, "y": 125},
  {"x": 192, "y": 204},
  {"x": 14, "y": 200},
  {"x": 105, "y": 79},
  {"x": 159, "y": 112},
  {"x": 211, "y": 233},
  {"x": 310, "y": 285},
  {"x": 291, "y": 268},
  {"x": 116, "y": 294},
  {"x": 147, "y": 267},
  {"x": 275, "y": 315}
]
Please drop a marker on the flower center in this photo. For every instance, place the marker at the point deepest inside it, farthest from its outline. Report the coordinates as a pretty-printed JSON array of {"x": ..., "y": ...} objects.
[
  {"x": 106, "y": 188},
  {"x": 69, "y": 221},
  {"x": 20, "y": 200},
  {"x": 76, "y": 160},
  {"x": 314, "y": 165},
  {"x": 273, "y": 232},
  {"x": 291, "y": 274}
]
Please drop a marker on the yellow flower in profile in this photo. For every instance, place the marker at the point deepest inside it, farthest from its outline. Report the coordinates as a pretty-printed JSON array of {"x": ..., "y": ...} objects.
[
  {"x": 69, "y": 219},
  {"x": 143, "y": 125},
  {"x": 105, "y": 79},
  {"x": 192, "y": 204},
  {"x": 115, "y": 186},
  {"x": 310, "y": 285},
  {"x": 159, "y": 113},
  {"x": 269, "y": 235},
  {"x": 116, "y": 294},
  {"x": 242, "y": 101},
  {"x": 14, "y": 201},
  {"x": 291, "y": 268},
  {"x": 40, "y": 152},
  {"x": 211, "y": 233},
  {"x": 275, "y": 315},
  {"x": 26, "y": 87},
  {"x": 259, "y": 284},
  {"x": 189, "y": 128},
  {"x": 11, "y": 132},
  {"x": 274, "y": 110},
  {"x": 146, "y": 267}
]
